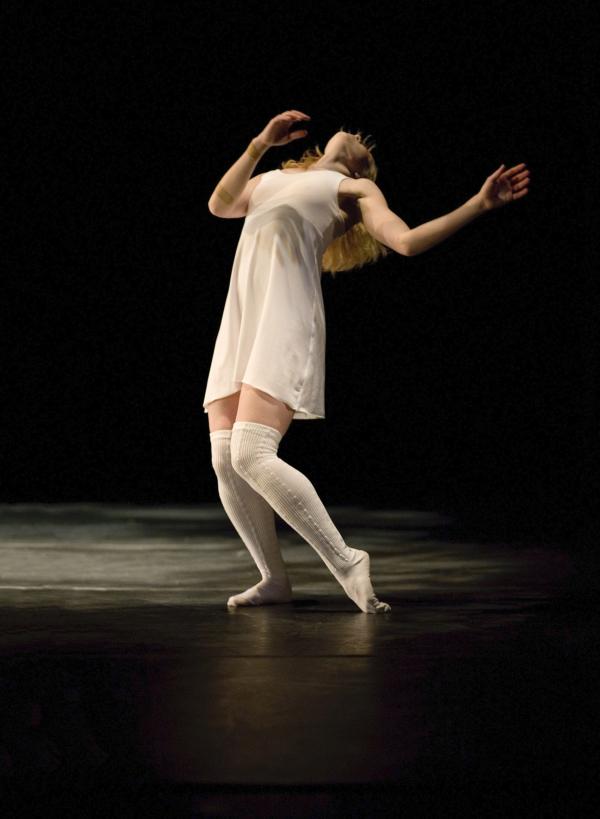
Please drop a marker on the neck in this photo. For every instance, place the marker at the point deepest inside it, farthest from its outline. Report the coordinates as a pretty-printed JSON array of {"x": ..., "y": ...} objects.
[{"x": 331, "y": 165}]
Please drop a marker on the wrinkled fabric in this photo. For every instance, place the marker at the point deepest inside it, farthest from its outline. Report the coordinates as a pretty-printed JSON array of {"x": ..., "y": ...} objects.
[{"x": 272, "y": 333}]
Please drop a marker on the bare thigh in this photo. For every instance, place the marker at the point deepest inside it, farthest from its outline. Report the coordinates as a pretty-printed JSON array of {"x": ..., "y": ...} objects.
[
  {"x": 249, "y": 404},
  {"x": 222, "y": 412},
  {"x": 260, "y": 407}
]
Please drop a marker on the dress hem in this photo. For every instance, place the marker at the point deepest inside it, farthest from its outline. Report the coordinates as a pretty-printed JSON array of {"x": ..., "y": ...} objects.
[{"x": 307, "y": 415}]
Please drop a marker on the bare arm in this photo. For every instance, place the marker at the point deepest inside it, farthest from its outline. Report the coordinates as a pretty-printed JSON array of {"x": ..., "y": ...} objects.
[
  {"x": 499, "y": 188},
  {"x": 381, "y": 222},
  {"x": 431, "y": 233},
  {"x": 231, "y": 196},
  {"x": 231, "y": 187},
  {"x": 388, "y": 228}
]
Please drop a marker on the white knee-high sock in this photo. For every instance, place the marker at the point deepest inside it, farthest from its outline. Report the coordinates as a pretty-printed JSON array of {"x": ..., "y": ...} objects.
[
  {"x": 254, "y": 456},
  {"x": 254, "y": 520}
]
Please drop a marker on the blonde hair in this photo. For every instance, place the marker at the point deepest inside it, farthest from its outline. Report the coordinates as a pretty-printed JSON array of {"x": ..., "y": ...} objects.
[{"x": 356, "y": 247}]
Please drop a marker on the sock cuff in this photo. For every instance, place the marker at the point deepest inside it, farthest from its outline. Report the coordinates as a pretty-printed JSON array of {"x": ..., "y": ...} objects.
[
  {"x": 220, "y": 433},
  {"x": 261, "y": 429}
]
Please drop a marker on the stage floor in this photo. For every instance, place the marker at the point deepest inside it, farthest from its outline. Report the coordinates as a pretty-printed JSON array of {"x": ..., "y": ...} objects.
[{"x": 123, "y": 671}]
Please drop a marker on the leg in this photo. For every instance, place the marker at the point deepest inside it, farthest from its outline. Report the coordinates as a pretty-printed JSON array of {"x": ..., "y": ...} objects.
[
  {"x": 251, "y": 515},
  {"x": 222, "y": 412},
  {"x": 256, "y": 405},
  {"x": 254, "y": 445}
]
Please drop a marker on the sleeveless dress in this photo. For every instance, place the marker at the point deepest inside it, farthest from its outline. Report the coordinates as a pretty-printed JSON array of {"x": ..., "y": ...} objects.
[{"x": 272, "y": 332}]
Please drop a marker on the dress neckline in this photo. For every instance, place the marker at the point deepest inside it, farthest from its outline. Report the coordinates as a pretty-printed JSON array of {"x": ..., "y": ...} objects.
[{"x": 316, "y": 170}]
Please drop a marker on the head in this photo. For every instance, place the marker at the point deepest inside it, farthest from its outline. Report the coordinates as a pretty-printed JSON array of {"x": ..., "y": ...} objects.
[
  {"x": 348, "y": 149},
  {"x": 351, "y": 151},
  {"x": 354, "y": 151}
]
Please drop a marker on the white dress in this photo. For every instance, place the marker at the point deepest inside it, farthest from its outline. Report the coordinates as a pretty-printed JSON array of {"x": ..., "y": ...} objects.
[{"x": 272, "y": 332}]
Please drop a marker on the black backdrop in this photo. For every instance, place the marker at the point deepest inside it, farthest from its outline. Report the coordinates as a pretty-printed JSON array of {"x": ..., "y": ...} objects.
[{"x": 460, "y": 380}]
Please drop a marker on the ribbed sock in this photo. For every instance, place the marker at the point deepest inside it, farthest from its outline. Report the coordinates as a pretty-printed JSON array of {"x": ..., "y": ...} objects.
[
  {"x": 290, "y": 493},
  {"x": 254, "y": 520}
]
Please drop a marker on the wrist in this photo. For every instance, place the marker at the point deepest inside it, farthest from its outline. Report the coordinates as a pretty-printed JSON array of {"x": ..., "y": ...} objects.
[
  {"x": 258, "y": 145},
  {"x": 476, "y": 204}
]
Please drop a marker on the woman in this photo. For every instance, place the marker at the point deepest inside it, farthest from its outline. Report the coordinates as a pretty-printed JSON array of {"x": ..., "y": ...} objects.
[{"x": 322, "y": 213}]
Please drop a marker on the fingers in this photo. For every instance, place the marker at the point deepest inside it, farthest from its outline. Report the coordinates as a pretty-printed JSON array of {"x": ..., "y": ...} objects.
[
  {"x": 517, "y": 186},
  {"x": 496, "y": 173},
  {"x": 293, "y": 114},
  {"x": 524, "y": 170},
  {"x": 510, "y": 171}
]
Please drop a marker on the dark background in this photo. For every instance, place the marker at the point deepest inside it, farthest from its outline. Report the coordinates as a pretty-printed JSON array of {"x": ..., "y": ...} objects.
[{"x": 461, "y": 380}]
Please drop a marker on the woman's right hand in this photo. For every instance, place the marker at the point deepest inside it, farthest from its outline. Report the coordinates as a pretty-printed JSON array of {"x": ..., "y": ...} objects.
[{"x": 277, "y": 131}]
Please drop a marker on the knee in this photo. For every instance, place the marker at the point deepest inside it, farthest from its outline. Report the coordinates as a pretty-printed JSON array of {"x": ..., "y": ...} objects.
[
  {"x": 243, "y": 459},
  {"x": 221, "y": 453},
  {"x": 251, "y": 454},
  {"x": 221, "y": 464}
]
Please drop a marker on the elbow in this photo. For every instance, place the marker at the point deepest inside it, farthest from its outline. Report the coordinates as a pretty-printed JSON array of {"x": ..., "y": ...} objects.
[
  {"x": 404, "y": 249},
  {"x": 219, "y": 210},
  {"x": 403, "y": 244}
]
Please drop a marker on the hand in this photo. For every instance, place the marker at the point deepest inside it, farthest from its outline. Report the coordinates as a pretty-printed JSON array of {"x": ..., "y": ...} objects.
[
  {"x": 503, "y": 187},
  {"x": 277, "y": 132}
]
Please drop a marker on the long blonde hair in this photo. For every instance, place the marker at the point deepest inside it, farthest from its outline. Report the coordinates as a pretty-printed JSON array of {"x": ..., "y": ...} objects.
[{"x": 356, "y": 247}]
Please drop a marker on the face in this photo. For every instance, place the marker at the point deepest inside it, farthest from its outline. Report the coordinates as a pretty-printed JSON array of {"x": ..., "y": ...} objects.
[{"x": 352, "y": 148}]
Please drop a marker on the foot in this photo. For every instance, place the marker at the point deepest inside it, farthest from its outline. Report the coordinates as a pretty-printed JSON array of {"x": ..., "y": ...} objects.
[
  {"x": 356, "y": 582},
  {"x": 264, "y": 593}
]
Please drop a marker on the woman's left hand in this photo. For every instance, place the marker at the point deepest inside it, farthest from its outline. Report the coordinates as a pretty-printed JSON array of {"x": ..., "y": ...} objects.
[{"x": 503, "y": 187}]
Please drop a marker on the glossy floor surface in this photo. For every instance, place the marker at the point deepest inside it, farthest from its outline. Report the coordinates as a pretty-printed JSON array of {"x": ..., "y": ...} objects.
[{"x": 126, "y": 681}]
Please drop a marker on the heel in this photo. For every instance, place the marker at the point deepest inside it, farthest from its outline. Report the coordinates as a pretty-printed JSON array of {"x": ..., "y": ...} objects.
[{"x": 362, "y": 557}]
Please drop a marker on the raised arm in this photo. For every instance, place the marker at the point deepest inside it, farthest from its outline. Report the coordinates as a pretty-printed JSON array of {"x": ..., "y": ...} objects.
[
  {"x": 227, "y": 198},
  {"x": 425, "y": 236},
  {"x": 381, "y": 222},
  {"x": 230, "y": 197},
  {"x": 388, "y": 228},
  {"x": 500, "y": 188}
]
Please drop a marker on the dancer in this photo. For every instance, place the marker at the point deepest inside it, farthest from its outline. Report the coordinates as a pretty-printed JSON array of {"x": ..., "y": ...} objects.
[{"x": 322, "y": 213}]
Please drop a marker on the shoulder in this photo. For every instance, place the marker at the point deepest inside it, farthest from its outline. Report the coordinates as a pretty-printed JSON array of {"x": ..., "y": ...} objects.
[
  {"x": 254, "y": 180},
  {"x": 239, "y": 208},
  {"x": 358, "y": 188},
  {"x": 246, "y": 195},
  {"x": 351, "y": 191}
]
